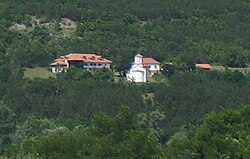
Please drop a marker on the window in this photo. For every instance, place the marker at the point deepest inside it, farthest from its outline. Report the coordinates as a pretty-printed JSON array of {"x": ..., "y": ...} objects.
[
  {"x": 155, "y": 67},
  {"x": 99, "y": 64}
]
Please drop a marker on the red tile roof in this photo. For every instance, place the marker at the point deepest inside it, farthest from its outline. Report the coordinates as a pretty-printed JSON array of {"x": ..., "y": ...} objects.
[
  {"x": 150, "y": 61},
  {"x": 58, "y": 62},
  {"x": 86, "y": 58},
  {"x": 204, "y": 66}
]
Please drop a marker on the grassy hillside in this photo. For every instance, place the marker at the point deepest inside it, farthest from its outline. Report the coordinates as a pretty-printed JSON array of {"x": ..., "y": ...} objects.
[{"x": 38, "y": 72}]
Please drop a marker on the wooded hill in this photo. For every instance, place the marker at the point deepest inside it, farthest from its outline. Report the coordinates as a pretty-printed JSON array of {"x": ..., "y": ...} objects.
[
  {"x": 155, "y": 120},
  {"x": 181, "y": 31}
]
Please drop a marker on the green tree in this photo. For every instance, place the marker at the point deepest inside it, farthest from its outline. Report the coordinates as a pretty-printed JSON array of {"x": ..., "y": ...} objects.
[
  {"x": 106, "y": 137},
  {"x": 222, "y": 135},
  {"x": 35, "y": 127},
  {"x": 76, "y": 74},
  {"x": 7, "y": 119},
  {"x": 103, "y": 74},
  {"x": 168, "y": 70},
  {"x": 234, "y": 60},
  {"x": 7, "y": 125},
  {"x": 129, "y": 19}
]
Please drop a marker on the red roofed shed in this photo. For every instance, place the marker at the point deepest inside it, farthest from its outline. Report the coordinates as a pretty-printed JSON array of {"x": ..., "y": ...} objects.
[{"x": 204, "y": 66}]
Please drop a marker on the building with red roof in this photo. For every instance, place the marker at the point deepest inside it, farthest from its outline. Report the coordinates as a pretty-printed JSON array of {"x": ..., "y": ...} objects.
[
  {"x": 79, "y": 60},
  {"x": 151, "y": 64},
  {"x": 142, "y": 68},
  {"x": 204, "y": 66}
]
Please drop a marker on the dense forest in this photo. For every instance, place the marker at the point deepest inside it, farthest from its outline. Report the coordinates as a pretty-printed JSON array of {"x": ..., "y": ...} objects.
[{"x": 184, "y": 113}]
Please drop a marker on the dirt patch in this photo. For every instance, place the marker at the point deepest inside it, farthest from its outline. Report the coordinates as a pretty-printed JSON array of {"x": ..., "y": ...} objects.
[
  {"x": 218, "y": 68},
  {"x": 17, "y": 26},
  {"x": 148, "y": 96},
  {"x": 223, "y": 68},
  {"x": 68, "y": 26}
]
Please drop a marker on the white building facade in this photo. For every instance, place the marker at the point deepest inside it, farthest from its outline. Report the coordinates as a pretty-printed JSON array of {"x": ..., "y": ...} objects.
[{"x": 142, "y": 68}]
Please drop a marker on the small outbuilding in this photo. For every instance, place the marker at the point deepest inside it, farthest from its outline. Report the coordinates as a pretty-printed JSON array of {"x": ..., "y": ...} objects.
[{"x": 204, "y": 66}]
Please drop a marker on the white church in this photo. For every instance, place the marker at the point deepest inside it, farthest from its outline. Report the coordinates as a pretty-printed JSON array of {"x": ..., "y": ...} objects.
[{"x": 142, "y": 68}]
